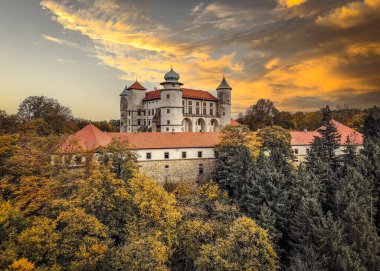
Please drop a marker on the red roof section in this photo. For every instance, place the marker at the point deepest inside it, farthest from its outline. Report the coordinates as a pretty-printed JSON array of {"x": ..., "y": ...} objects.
[
  {"x": 90, "y": 138},
  {"x": 234, "y": 122},
  {"x": 137, "y": 85},
  {"x": 159, "y": 140},
  {"x": 186, "y": 93},
  {"x": 305, "y": 138},
  {"x": 87, "y": 139}
]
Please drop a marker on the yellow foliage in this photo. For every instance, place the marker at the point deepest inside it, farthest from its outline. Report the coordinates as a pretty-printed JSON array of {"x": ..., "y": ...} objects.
[
  {"x": 22, "y": 265},
  {"x": 246, "y": 247}
]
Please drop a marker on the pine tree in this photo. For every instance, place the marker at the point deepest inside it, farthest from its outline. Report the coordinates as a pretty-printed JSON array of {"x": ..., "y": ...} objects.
[
  {"x": 354, "y": 200},
  {"x": 233, "y": 169}
]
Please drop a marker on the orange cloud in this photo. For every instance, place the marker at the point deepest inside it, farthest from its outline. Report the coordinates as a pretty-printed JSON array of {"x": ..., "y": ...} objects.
[
  {"x": 352, "y": 14},
  {"x": 291, "y": 3}
]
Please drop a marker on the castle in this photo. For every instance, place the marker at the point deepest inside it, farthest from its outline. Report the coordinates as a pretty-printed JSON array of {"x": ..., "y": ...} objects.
[
  {"x": 173, "y": 108},
  {"x": 183, "y": 125}
]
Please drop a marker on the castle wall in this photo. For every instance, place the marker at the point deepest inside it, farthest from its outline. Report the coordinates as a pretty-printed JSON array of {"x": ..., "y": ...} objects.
[{"x": 178, "y": 170}]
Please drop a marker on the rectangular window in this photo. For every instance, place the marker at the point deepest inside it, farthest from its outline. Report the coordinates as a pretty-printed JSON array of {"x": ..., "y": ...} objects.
[
  {"x": 190, "y": 110},
  {"x": 144, "y": 122},
  {"x": 200, "y": 168},
  {"x": 200, "y": 154},
  {"x": 204, "y": 104},
  {"x": 168, "y": 121},
  {"x": 148, "y": 155},
  {"x": 167, "y": 129},
  {"x": 168, "y": 111},
  {"x": 197, "y": 103},
  {"x": 211, "y": 105},
  {"x": 166, "y": 155},
  {"x": 166, "y": 167},
  {"x": 167, "y": 96},
  {"x": 295, "y": 151},
  {"x": 139, "y": 112},
  {"x": 197, "y": 111},
  {"x": 138, "y": 122},
  {"x": 211, "y": 111},
  {"x": 148, "y": 122},
  {"x": 184, "y": 154},
  {"x": 204, "y": 111},
  {"x": 190, "y": 103}
]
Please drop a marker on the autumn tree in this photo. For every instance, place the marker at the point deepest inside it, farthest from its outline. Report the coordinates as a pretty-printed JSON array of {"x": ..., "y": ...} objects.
[
  {"x": 119, "y": 156},
  {"x": 260, "y": 115},
  {"x": 57, "y": 116},
  {"x": 245, "y": 247}
]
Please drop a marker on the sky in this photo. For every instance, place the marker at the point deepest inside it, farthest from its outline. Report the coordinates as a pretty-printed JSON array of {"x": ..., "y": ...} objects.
[{"x": 301, "y": 54}]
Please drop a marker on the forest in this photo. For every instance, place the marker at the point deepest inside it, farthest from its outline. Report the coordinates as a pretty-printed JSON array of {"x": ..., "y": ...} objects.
[{"x": 260, "y": 211}]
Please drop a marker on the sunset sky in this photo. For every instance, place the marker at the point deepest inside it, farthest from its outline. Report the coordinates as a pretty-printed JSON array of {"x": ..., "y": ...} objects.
[{"x": 302, "y": 54}]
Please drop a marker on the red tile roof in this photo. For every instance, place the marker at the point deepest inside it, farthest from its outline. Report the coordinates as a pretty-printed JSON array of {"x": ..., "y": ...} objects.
[
  {"x": 90, "y": 138},
  {"x": 234, "y": 122},
  {"x": 305, "y": 138},
  {"x": 186, "y": 93},
  {"x": 136, "y": 85}
]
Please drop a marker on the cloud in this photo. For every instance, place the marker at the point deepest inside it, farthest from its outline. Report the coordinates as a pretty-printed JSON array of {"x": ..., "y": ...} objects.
[
  {"x": 351, "y": 15},
  {"x": 60, "y": 41},
  {"x": 266, "y": 51},
  {"x": 291, "y": 3}
]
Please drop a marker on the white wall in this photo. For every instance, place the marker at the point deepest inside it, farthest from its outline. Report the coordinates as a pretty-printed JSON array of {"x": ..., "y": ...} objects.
[{"x": 191, "y": 153}]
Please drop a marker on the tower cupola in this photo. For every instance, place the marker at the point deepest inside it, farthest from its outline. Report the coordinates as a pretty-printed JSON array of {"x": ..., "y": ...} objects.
[{"x": 171, "y": 77}]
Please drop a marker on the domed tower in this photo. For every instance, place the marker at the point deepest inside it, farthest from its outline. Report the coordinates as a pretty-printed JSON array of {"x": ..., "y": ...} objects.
[
  {"x": 224, "y": 102},
  {"x": 131, "y": 104},
  {"x": 171, "y": 101}
]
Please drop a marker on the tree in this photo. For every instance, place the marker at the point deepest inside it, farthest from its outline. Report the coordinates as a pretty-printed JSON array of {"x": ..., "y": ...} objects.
[
  {"x": 246, "y": 247},
  {"x": 39, "y": 242},
  {"x": 142, "y": 254},
  {"x": 8, "y": 123},
  {"x": 120, "y": 157},
  {"x": 50, "y": 110},
  {"x": 284, "y": 120},
  {"x": 22, "y": 265},
  {"x": 354, "y": 202},
  {"x": 371, "y": 128},
  {"x": 83, "y": 240},
  {"x": 260, "y": 115},
  {"x": 276, "y": 141}
]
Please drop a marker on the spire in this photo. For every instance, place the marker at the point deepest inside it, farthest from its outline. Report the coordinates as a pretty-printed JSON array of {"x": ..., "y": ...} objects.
[{"x": 224, "y": 84}]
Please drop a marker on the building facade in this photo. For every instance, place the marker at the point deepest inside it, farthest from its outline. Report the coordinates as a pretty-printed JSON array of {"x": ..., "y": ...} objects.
[
  {"x": 174, "y": 108},
  {"x": 185, "y": 156}
]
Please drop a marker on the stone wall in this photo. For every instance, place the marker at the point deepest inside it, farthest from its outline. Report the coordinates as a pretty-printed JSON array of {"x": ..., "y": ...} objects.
[{"x": 177, "y": 170}]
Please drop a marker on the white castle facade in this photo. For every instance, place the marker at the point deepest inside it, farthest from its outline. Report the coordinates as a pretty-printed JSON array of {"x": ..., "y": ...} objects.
[{"x": 173, "y": 108}]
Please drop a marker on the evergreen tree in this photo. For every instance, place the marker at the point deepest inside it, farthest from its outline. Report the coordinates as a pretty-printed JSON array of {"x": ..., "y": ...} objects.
[{"x": 354, "y": 202}]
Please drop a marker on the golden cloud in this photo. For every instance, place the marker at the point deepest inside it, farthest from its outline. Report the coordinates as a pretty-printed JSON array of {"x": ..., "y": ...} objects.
[
  {"x": 351, "y": 15},
  {"x": 291, "y": 3},
  {"x": 148, "y": 52}
]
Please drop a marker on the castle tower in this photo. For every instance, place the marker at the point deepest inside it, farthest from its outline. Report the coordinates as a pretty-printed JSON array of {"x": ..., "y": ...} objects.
[
  {"x": 131, "y": 100},
  {"x": 224, "y": 102},
  {"x": 171, "y": 100}
]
